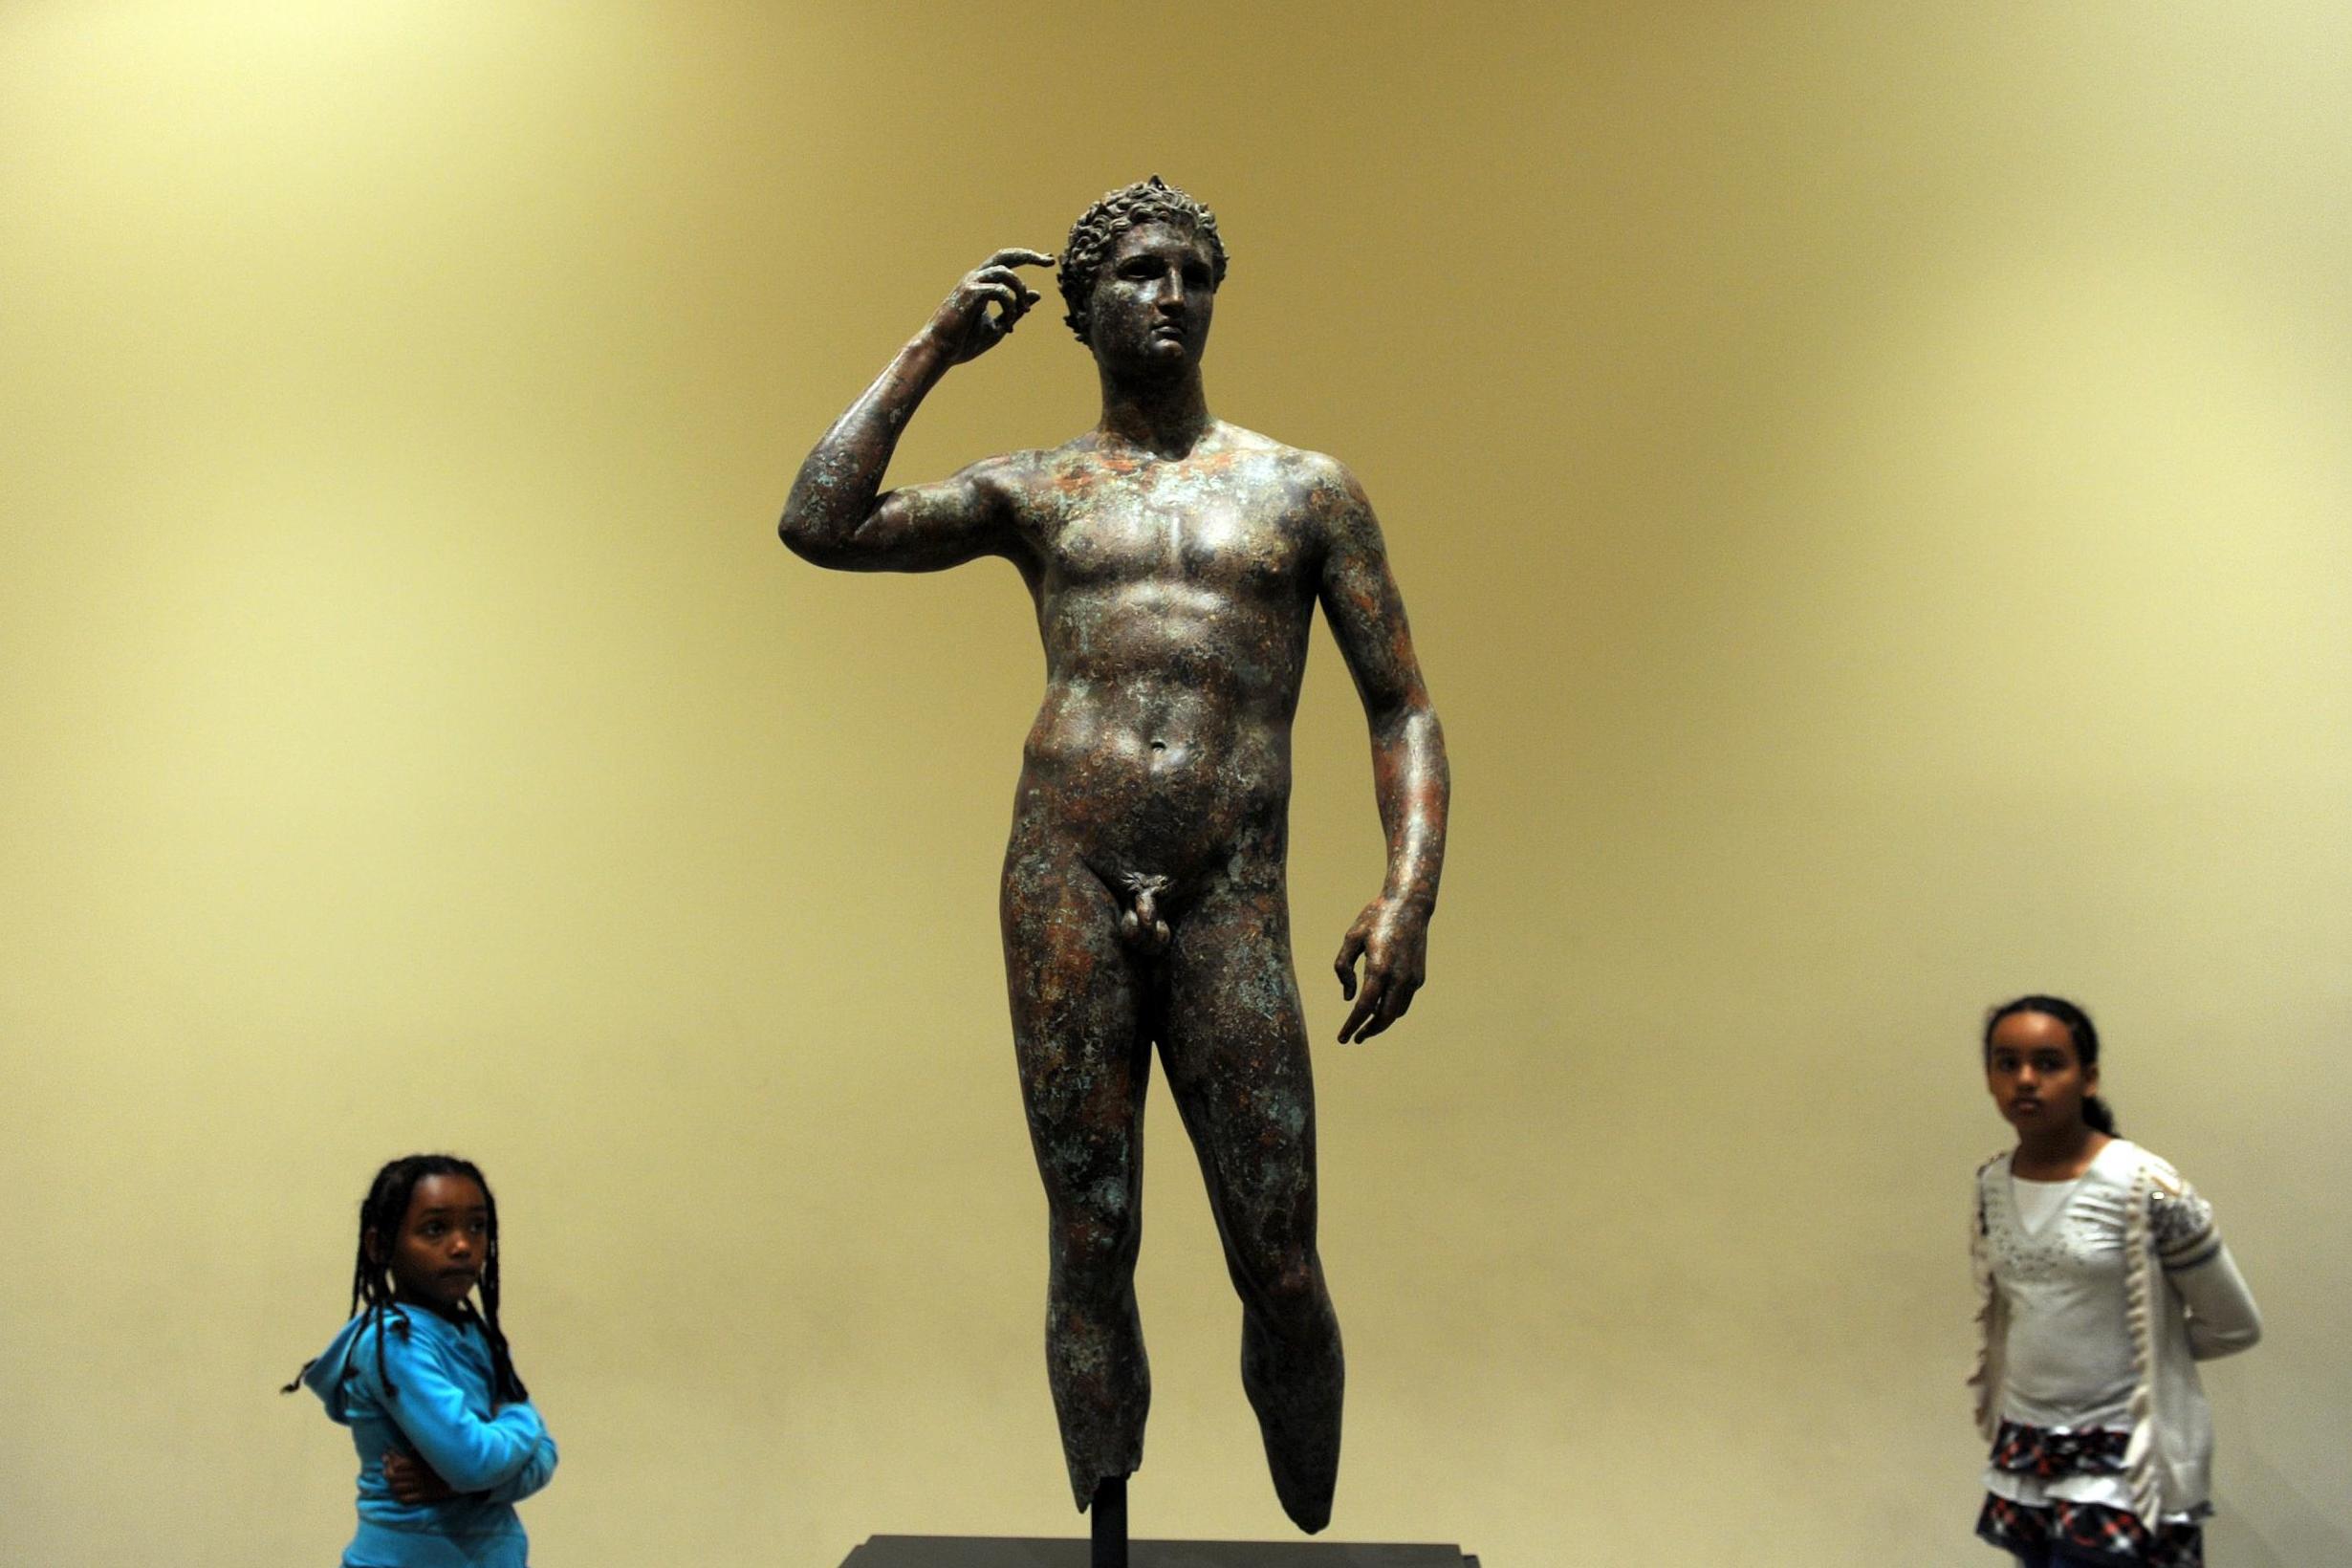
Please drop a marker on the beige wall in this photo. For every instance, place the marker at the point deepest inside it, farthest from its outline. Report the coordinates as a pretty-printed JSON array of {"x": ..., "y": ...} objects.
[{"x": 1871, "y": 483}]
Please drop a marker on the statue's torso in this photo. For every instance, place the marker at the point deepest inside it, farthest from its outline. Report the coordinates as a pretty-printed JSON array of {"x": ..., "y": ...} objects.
[{"x": 1174, "y": 599}]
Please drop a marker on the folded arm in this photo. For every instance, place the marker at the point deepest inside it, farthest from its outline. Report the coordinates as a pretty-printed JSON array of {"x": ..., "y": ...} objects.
[
  {"x": 435, "y": 1414},
  {"x": 535, "y": 1473}
]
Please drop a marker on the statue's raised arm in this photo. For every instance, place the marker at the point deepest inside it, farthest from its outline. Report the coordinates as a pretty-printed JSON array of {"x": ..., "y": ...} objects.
[{"x": 835, "y": 516}]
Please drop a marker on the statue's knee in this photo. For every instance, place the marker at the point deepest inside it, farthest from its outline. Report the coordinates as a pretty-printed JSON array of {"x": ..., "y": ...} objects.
[
  {"x": 1098, "y": 1238},
  {"x": 1292, "y": 1284}
]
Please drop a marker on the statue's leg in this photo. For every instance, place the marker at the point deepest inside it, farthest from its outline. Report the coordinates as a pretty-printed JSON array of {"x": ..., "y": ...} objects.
[
  {"x": 1084, "y": 1065},
  {"x": 1236, "y": 1047}
]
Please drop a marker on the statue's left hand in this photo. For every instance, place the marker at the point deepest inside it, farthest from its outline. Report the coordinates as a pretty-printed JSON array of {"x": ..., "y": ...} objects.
[{"x": 1392, "y": 938}]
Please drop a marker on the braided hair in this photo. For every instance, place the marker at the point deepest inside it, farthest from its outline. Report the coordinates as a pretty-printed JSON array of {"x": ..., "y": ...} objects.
[
  {"x": 1129, "y": 207},
  {"x": 2078, "y": 1028},
  {"x": 381, "y": 1213}
]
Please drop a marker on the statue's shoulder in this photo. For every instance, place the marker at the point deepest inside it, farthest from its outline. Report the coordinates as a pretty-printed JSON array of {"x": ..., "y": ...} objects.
[
  {"x": 1241, "y": 440},
  {"x": 1017, "y": 475},
  {"x": 1311, "y": 471}
]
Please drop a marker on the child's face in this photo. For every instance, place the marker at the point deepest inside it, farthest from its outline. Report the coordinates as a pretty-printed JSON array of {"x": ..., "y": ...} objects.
[
  {"x": 444, "y": 1241},
  {"x": 2034, "y": 1075}
]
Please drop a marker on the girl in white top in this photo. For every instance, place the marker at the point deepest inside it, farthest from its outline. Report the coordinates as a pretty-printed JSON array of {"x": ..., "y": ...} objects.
[{"x": 2101, "y": 1281}]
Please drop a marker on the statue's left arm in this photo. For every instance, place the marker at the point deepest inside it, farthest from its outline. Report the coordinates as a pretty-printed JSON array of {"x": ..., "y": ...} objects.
[{"x": 1367, "y": 613}]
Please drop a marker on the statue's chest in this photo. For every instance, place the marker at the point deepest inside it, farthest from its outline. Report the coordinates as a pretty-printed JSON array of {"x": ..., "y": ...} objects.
[{"x": 1193, "y": 532}]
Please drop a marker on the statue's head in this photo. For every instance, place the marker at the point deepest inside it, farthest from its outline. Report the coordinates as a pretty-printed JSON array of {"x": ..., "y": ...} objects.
[{"x": 1097, "y": 231}]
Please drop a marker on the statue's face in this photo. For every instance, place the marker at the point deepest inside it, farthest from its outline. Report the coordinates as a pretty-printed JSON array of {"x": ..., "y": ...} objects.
[{"x": 1152, "y": 301}]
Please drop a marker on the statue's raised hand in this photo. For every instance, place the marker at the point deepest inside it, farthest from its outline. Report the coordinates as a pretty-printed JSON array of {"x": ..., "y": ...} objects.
[{"x": 964, "y": 326}]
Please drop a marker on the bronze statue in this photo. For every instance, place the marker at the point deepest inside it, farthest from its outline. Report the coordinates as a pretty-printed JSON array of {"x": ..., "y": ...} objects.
[{"x": 1176, "y": 561}]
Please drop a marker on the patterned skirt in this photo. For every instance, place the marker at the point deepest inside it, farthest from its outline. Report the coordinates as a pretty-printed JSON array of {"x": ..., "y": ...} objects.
[{"x": 2086, "y": 1530}]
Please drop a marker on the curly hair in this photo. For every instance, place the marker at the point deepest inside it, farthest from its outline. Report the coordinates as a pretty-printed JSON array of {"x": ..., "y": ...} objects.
[{"x": 1099, "y": 227}]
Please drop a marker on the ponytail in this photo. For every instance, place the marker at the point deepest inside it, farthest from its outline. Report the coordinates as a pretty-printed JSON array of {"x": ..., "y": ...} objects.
[{"x": 2095, "y": 1111}]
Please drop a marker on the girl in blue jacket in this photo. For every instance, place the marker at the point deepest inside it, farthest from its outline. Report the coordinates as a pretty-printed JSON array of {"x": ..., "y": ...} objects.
[{"x": 447, "y": 1438}]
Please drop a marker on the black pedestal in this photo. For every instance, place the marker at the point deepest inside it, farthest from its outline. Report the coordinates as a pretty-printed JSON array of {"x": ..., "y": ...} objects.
[{"x": 1027, "y": 1552}]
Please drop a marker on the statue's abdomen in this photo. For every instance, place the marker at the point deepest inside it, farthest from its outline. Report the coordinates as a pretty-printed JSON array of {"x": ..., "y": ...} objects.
[{"x": 1162, "y": 743}]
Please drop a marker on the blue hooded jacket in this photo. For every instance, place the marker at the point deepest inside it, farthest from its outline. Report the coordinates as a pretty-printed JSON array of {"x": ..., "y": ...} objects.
[{"x": 439, "y": 1409}]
